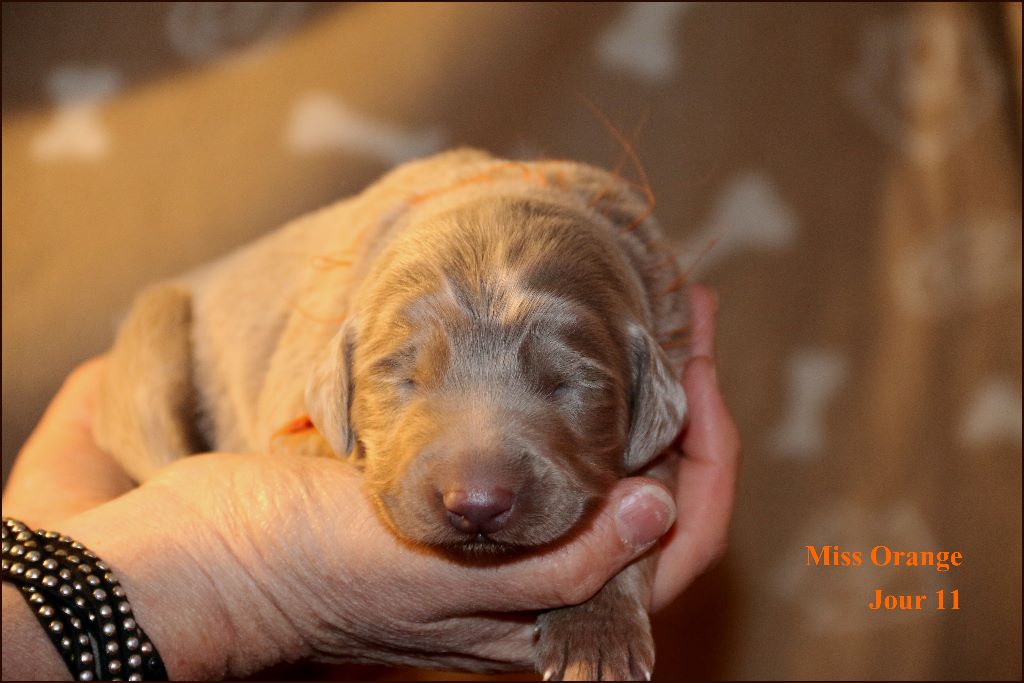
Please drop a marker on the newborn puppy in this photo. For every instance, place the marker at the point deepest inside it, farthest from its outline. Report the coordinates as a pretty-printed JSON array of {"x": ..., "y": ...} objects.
[{"x": 493, "y": 342}]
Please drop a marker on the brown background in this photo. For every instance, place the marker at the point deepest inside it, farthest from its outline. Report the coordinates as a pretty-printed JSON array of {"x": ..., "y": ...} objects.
[{"x": 854, "y": 169}]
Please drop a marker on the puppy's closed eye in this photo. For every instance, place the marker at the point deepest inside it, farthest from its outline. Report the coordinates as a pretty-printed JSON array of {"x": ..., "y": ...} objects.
[
  {"x": 560, "y": 390},
  {"x": 401, "y": 370}
]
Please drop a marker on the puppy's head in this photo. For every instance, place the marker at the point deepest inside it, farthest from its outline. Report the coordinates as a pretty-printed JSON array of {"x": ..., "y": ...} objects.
[{"x": 496, "y": 378}]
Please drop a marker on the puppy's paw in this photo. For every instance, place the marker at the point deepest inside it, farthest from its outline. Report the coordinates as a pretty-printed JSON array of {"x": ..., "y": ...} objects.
[{"x": 592, "y": 643}]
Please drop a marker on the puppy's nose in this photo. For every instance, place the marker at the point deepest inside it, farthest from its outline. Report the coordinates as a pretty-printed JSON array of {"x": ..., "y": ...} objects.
[{"x": 479, "y": 510}]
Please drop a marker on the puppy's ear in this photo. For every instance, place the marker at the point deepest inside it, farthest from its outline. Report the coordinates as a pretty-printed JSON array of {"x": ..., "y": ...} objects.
[
  {"x": 329, "y": 391},
  {"x": 658, "y": 402}
]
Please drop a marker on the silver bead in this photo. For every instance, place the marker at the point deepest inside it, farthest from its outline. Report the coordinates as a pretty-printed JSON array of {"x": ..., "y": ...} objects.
[
  {"x": 6, "y": 564},
  {"x": 132, "y": 643},
  {"x": 92, "y": 580},
  {"x": 83, "y": 640},
  {"x": 80, "y": 601},
  {"x": 18, "y": 568},
  {"x": 110, "y": 647},
  {"x": 33, "y": 556},
  {"x": 85, "y": 675},
  {"x": 135, "y": 661},
  {"x": 63, "y": 539},
  {"x": 129, "y": 624},
  {"x": 114, "y": 665},
  {"x": 66, "y": 591},
  {"x": 92, "y": 616},
  {"x": 146, "y": 648},
  {"x": 78, "y": 586},
  {"x": 64, "y": 574},
  {"x": 66, "y": 610},
  {"x": 77, "y": 623},
  {"x": 89, "y": 554},
  {"x": 23, "y": 536},
  {"x": 60, "y": 552},
  {"x": 85, "y": 658},
  {"x": 37, "y": 598},
  {"x": 110, "y": 577},
  {"x": 74, "y": 559},
  {"x": 49, "y": 563},
  {"x": 77, "y": 546},
  {"x": 135, "y": 677},
  {"x": 124, "y": 607},
  {"x": 56, "y": 626},
  {"x": 31, "y": 544},
  {"x": 109, "y": 629},
  {"x": 46, "y": 611},
  {"x": 99, "y": 594},
  {"x": 65, "y": 642},
  {"x": 102, "y": 566},
  {"x": 118, "y": 591},
  {"x": 50, "y": 534},
  {"x": 85, "y": 569},
  {"x": 33, "y": 574},
  {"x": 18, "y": 550},
  {"x": 106, "y": 612},
  {"x": 5, "y": 546},
  {"x": 48, "y": 548}
]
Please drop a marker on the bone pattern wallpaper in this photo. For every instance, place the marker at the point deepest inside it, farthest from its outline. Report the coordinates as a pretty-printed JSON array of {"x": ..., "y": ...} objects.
[{"x": 848, "y": 177}]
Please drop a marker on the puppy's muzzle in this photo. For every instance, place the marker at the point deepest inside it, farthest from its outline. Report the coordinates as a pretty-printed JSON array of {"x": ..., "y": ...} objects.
[
  {"x": 477, "y": 510},
  {"x": 478, "y": 492}
]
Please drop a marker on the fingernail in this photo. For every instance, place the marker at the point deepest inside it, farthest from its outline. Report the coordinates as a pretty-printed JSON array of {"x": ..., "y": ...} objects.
[{"x": 644, "y": 516}]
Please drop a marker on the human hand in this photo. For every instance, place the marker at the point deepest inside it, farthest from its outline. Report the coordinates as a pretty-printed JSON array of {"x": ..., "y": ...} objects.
[
  {"x": 706, "y": 478},
  {"x": 236, "y": 562}
]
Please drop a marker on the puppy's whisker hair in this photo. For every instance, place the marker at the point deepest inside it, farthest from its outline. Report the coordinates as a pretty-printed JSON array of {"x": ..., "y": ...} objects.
[
  {"x": 668, "y": 257},
  {"x": 616, "y": 172},
  {"x": 488, "y": 176},
  {"x": 711, "y": 244},
  {"x": 675, "y": 284},
  {"x": 627, "y": 146}
]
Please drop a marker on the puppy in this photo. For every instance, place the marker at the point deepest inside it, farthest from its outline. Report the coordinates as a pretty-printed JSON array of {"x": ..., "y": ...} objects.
[{"x": 493, "y": 342}]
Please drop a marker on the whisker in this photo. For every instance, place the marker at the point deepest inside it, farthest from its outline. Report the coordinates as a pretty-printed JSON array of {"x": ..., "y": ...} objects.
[
  {"x": 627, "y": 146},
  {"x": 711, "y": 244},
  {"x": 675, "y": 284}
]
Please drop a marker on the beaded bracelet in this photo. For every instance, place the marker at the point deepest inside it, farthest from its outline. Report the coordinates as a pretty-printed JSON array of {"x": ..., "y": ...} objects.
[{"x": 80, "y": 604}]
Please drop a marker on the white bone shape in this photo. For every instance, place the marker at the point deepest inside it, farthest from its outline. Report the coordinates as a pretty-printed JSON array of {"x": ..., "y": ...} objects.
[{"x": 321, "y": 121}]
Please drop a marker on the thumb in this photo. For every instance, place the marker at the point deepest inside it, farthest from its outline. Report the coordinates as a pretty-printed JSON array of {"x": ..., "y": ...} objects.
[
  {"x": 634, "y": 515},
  {"x": 61, "y": 471}
]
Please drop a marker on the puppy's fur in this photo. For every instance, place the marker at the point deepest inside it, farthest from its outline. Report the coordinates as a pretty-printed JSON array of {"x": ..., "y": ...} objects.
[{"x": 464, "y": 322}]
